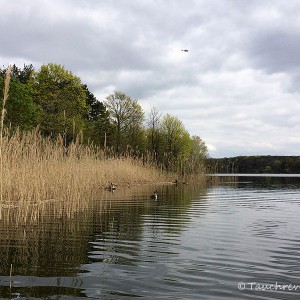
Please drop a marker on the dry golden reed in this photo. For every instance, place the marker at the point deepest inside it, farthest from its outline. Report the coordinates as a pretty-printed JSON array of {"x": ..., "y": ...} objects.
[
  {"x": 38, "y": 171},
  {"x": 38, "y": 174},
  {"x": 2, "y": 116}
]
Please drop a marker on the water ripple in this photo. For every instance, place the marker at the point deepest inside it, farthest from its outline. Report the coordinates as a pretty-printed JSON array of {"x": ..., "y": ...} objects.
[{"x": 190, "y": 244}]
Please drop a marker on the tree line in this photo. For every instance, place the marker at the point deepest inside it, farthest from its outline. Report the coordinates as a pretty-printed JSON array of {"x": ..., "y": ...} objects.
[
  {"x": 255, "y": 164},
  {"x": 59, "y": 104}
]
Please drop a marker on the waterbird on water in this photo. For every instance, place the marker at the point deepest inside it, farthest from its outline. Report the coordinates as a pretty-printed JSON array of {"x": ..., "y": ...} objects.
[
  {"x": 154, "y": 195},
  {"x": 112, "y": 187},
  {"x": 185, "y": 50}
]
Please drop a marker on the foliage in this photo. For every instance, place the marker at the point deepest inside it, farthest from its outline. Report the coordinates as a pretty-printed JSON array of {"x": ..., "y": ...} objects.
[
  {"x": 98, "y": 125},
  {"x": 55, "y": 100},
  {"x": 21, "y": 111},
  {"x": 196, "y": 155},
  {"x": 63, "y": 101},
  {"x": 127, "y": 118},
  {"x": 23, "y": 75},
  {"x": 172, "y": 146},
  {"x": 175, "y": 140}
]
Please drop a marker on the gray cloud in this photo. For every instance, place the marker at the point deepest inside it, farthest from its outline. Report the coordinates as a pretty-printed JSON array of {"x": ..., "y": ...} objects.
[
  {"x": 276, "y": 50},
  {"x": 237, "y": 87}
]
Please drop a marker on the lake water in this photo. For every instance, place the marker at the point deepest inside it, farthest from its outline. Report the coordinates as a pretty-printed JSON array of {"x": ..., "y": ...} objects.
[{"x": 234, "y": 240}]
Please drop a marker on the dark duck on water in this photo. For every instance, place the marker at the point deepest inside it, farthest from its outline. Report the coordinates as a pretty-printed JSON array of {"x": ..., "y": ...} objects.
[{"x": 154, "y": 196}]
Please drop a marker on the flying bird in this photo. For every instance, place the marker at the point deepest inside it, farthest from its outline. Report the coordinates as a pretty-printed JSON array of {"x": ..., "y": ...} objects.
[{"x": 185, "y": 50}]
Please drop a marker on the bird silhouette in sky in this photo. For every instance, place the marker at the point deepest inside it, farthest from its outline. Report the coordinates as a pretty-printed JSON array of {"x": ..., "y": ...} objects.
[{"x": 185, "y": 50}]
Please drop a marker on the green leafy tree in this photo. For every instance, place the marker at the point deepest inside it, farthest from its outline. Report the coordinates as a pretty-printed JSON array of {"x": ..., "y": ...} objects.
[
  {"x": 127, "y": 118},
  {"x": 22, "y": 112},
  {"x": 62, "y": 99},
  {"x": 178, "y": 151},
  {"x": 195, "y": 160},
  {"x": 175, "y": 139},
  {"x": 174, "y": 134}
]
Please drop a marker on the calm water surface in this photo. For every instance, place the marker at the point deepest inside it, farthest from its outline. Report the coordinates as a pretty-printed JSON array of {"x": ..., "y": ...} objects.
[{"x": 235, "y": 240}]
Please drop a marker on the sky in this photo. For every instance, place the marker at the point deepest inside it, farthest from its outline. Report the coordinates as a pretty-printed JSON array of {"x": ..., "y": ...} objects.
[{"x": 238, "y": 86}]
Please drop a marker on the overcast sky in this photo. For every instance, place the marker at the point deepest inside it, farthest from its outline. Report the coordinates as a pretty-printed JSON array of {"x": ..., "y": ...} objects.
[{"x": 238, "y": 87}]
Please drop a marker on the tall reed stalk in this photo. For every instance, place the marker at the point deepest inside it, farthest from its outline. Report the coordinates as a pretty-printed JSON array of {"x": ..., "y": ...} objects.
[
  {"x": 40, "y": 172},
  {"x": 5, "y": 97}
]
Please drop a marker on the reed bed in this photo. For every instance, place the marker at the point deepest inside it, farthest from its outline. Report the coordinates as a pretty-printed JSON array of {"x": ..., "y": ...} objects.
[
  {"x": 37, "y": 172},
  {"x": 41, "y": 176}
]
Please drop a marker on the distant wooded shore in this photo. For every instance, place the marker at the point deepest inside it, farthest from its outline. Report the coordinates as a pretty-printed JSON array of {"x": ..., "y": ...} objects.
[{"x": 255, "y": 164}]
